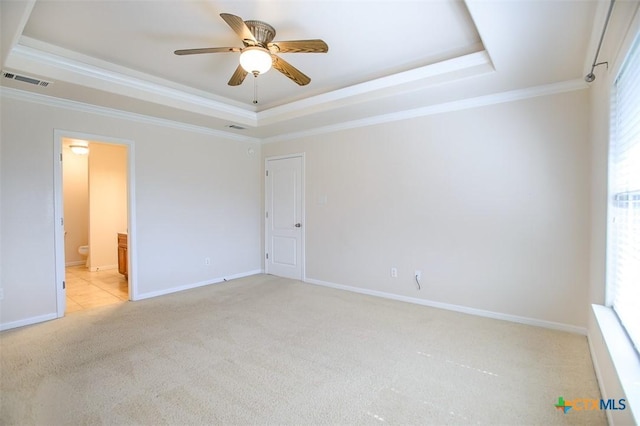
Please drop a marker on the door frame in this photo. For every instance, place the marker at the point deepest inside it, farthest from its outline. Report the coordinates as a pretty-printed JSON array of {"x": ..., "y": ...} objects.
[
  {"x": 303, "y": 259},
  {"x": 58, "y": 136}
]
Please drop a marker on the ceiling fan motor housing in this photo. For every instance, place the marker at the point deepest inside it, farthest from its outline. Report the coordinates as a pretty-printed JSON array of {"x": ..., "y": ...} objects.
[{"x": 263, "y": 32}]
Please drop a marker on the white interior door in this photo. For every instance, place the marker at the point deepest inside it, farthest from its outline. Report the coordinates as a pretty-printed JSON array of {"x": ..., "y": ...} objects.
[{"x": 284, "y": 217}]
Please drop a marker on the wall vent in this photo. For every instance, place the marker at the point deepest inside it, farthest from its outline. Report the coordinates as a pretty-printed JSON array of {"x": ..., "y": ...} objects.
[
  {"x": 235, "y": 126},
  {"x": 26, "y": 79}
]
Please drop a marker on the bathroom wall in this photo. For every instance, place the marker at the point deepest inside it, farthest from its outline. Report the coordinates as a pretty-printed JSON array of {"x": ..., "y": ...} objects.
[
  {"x": 75, "y": 180},
  {"x": 107, "y": 203}
]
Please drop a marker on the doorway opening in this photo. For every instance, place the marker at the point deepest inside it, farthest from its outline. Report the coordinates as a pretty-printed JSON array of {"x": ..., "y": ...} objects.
[{"x": 94, "y": 205}]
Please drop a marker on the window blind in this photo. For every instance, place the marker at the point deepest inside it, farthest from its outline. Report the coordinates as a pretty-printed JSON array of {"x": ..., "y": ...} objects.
[{"x": 624, "y": 196}]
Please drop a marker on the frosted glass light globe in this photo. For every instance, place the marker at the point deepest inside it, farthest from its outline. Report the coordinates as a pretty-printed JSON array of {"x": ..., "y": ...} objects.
[{"x": 256, "y": 60}]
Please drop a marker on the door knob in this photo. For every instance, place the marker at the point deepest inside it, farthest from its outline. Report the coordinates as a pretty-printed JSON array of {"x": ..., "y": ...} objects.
[{"x": 298, "y": 225}]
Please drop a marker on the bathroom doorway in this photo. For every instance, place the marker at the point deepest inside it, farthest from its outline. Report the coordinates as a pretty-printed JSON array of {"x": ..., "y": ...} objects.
[{"x": 94, "y": 205}]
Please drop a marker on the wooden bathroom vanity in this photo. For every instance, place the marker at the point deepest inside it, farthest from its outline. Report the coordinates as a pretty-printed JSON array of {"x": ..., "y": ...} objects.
[{"x": 122, "y": 255}]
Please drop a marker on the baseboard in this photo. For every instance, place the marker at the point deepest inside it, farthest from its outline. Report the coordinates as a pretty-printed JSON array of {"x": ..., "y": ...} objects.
[
  {"x": 103, "y": 268},
  {"x": 196, "y": 285},
  {"x": 76, "y": 263},
  {"x": 48, "y": 317},
  {"x": 28, "y": 321},
  {"x": 456, "y": 308}
]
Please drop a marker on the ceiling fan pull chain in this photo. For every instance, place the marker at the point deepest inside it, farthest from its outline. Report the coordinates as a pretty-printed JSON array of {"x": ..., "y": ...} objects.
[{"x": 255, "y": 88}]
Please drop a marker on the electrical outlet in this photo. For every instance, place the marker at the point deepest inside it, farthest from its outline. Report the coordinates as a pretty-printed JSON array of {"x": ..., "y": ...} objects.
[
  {"x": 394, "y": 272},
  {"x": 418, "y": 274},
  {"x": 207, "y": 261}
]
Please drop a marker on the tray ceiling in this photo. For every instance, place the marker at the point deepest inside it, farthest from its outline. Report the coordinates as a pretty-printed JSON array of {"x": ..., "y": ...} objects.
[{"x": 384, "y": 56}]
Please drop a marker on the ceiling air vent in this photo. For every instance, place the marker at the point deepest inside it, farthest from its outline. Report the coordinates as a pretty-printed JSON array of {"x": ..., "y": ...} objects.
[
  {"x": 235, "y": 126},
  {"x": 26, "y": 79}
]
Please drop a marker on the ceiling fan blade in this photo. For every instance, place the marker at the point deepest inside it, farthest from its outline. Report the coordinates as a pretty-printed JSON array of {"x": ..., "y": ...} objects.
[
  {"x": 238, "y": 77},
  {"x": 207, "y": 50},
  {"x": 299, "y": 46},
  {"x": 290, "y": 71},
  {"x": 237, "y": 24}
]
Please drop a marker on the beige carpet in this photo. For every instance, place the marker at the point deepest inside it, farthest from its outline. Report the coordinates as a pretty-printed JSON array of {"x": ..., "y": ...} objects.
[{"x": 266, "y": 350}]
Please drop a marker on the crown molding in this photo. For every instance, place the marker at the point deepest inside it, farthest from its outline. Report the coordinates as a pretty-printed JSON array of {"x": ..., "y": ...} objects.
[
  {"x": 51, "y": 101},
  {"x": 101, "y": 75},
  {"x": 496, "y": 98},
  {"x": 40, "y": 58},
  {"x": 440, "y": 72},
  {"x": 508, "y": 96}
]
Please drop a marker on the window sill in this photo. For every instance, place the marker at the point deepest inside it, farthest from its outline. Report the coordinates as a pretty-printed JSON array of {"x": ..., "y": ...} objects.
[{"x": 623, "y": 356}]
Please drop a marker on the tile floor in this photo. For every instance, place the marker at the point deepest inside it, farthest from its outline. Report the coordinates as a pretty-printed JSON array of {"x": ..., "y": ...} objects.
[{"x": 86, "y": 289}]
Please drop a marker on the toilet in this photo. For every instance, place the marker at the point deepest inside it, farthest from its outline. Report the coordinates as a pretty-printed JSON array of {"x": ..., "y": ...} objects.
[{"x": 84, "y": 251}]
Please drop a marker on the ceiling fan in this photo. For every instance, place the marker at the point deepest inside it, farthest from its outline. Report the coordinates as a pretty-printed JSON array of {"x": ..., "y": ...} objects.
[{"x": 259, "y": 52}]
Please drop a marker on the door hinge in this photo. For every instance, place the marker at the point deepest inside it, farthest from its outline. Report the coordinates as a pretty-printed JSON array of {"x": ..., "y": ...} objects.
[
  {"x": 267, "y": 254},
  {"x": 61, "y": 157},
  {"x": 266, "y": 215},
  {"x": 62, "y": 221},
  {"x": 64, "y": 285},
  {"x": 267, "y": 172}
]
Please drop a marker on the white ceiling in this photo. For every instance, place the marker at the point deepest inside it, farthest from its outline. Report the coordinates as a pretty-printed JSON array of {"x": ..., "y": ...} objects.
[{"x": 384, "y": 56}]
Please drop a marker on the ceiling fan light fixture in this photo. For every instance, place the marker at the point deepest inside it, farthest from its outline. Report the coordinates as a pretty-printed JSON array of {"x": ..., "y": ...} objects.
[{"x": 256, "y": 60}]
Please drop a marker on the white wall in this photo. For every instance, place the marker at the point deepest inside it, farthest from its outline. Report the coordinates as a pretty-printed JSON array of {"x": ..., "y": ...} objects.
[
  {"x": 107, "y": 203},
  {"x": 75, "y": 181},
  {"x": 491, "y": 203},
  {"x": 197, "y": 196}
]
